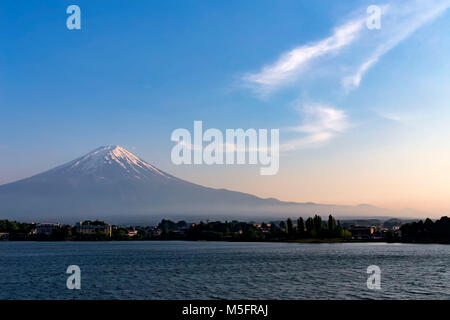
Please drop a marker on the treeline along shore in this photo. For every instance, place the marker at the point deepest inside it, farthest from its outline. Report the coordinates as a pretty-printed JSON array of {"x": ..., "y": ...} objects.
[{"x": 312, "y": 229}]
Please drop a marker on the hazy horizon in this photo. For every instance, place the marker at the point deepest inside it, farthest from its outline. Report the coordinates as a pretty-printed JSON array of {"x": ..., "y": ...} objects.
[{"x": 267, "y": 212}]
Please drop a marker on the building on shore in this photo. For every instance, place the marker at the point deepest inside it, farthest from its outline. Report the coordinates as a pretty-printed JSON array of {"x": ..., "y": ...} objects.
[
  {"x": 47, "y": 228},
  {"x": 131, "y": 233},
  {"x": 91, "y": 229},
  {"x": 362, "y": 233},
  {"x": 155, "y": 233}
]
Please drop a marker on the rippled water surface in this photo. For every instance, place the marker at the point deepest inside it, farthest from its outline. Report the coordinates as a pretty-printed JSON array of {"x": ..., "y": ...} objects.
[{"x": 222, "y": 270}]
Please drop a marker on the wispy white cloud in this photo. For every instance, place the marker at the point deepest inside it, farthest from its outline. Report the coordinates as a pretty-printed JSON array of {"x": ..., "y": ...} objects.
[
  {"x": 291, "y": 63},
  {"x": 392, "y": 117},
  {"x": 400, "y": 22},
  {"x": 399, "y": 117},
  {"x": 320, "y": 124},
  {"x": 353, "y": 81}
]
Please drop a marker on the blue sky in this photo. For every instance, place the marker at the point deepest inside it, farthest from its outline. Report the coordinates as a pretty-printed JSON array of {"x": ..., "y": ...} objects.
[{"x": 137, "y": 70}]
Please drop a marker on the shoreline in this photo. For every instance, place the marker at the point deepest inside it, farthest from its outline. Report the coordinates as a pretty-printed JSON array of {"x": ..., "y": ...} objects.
[{"x": 299, "y": 241}]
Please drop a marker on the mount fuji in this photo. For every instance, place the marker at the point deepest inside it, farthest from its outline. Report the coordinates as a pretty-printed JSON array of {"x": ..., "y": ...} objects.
[{"x": 113, "y": 184}]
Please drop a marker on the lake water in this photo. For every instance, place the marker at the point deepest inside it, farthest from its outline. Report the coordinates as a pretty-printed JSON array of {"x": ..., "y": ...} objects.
[{"x": 223, "y": 270}]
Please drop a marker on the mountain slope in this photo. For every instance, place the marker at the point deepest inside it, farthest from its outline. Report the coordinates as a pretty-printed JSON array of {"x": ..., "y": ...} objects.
[{"x": 113, "y": 184}]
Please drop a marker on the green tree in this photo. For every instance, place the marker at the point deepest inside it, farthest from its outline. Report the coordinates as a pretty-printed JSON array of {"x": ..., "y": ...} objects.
[
  {"x": 317, "y": 225},
  {"x": 331, "y": 225},
  {"x": 310, "y": 226},
  {"x": 290, "y": 227},
  {"x": 300, "y": 227}
]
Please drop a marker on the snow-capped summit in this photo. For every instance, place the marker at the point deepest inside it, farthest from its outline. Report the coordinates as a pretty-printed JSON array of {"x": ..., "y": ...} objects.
[{"x": 110, "y": 161}]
